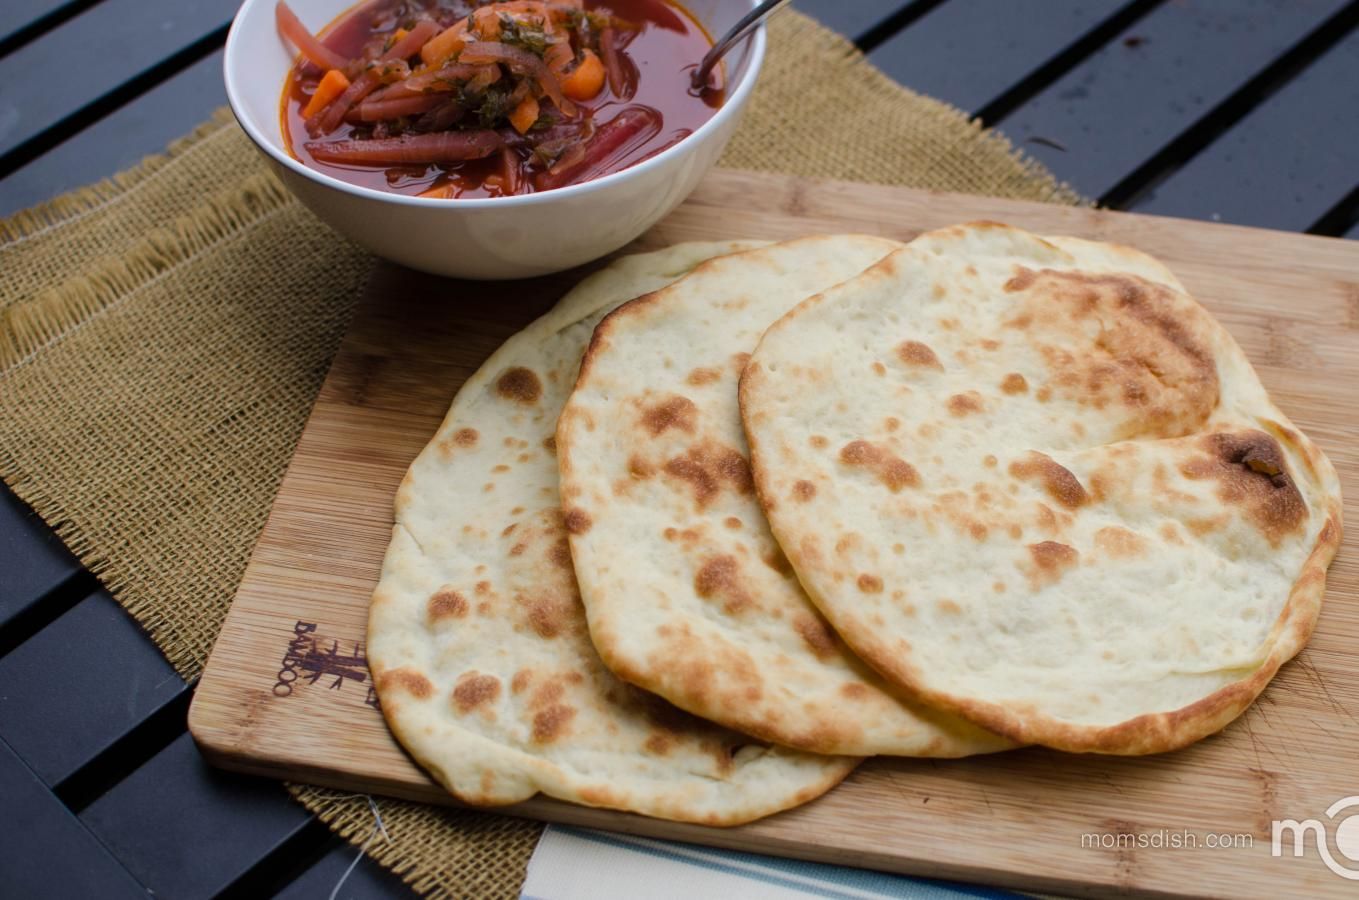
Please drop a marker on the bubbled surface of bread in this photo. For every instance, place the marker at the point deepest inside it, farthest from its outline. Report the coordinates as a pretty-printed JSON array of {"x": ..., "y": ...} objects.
[
  {"x": 1035, "y": 483},
  {"x": 477, "y": 640},
  {"x": 688, "y": 594}
]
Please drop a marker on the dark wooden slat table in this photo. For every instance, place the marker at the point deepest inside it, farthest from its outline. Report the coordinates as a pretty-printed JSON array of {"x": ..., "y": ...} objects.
[
  {"x": 33, "y": 562},
  {"x": 187, "y": 831},
  {"x": 1101, "y": 120},
  {"x": 369, "y": 881},
  {"x": 79, "y": 685},
  {"x": 142, "y": 127},
  {"x": 109, "y": 50},
  {"x": 934, "y": 56},
  {"x": 1233, "y": 110},
  {"x": 22, "y": 16},
  {"x": 1280, "y": 165},
  {"x": 857, "y": 18},
  {"x": 47, "y": 853}
]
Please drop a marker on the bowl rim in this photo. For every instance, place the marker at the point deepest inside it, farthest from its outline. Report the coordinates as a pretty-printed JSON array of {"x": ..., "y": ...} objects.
[{"x": 735, "y": 101}]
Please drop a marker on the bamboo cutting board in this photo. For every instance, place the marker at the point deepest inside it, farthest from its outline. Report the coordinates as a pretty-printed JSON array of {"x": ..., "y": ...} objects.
[{"x": 286, "y": 692}]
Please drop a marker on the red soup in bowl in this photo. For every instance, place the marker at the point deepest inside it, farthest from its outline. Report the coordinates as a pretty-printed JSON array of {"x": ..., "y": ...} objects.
[{"x": 455, "y": 98}]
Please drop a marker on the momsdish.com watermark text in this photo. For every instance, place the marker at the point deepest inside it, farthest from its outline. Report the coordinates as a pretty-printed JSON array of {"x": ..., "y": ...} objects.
[
  {"x": 1165, "y": 839},
  {"x": 1332, "y": 838}
]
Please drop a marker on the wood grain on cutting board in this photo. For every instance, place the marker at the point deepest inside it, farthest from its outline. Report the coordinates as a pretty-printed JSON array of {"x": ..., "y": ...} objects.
[{"x": 286, "y": 692}]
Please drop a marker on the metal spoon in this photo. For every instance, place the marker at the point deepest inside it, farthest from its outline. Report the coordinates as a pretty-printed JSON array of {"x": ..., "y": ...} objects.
[{"x": 738, "y": 33}]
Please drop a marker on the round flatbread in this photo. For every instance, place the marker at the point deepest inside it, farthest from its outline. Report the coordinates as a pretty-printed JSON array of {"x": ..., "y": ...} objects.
[
  {"x": 686, "y": 591},
  {"x": 1033, "y": 482},
  {"x": 476, "y": 637}
]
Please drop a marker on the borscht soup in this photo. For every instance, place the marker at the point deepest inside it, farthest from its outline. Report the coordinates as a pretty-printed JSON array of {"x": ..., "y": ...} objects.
[{"x": 451, "y": 98}]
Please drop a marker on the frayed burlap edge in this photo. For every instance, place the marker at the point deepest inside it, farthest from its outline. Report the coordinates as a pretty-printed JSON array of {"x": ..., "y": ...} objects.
[
  {"x": 52, "y": 213},
  {"x": 27, "y": 328}
]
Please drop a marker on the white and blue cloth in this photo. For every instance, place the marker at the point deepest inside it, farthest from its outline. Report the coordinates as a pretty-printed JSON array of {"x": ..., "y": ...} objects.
[{"x": 582, "y": 864}]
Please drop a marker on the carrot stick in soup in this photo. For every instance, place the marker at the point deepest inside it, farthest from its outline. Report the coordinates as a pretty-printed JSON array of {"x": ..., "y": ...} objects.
[
  {"x": 525, "y": 114},
  {"x": 440, "y": 48},
  {"x": 382, "y": 110},
  {"x": 365, "y": 84},
  {"x": 486, "y": 21},
  {"x": 332, "y": 85},
  {"x": 444, "y": 147},
  {"x": 291, "y": 27},
  {"x": 509, "y": 171}
]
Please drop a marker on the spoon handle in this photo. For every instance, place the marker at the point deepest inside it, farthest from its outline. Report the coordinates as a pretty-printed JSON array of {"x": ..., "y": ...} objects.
[{"x": 735, "y": 35}]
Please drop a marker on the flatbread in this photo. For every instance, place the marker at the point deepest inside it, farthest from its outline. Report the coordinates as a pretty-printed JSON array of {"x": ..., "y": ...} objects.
[
  {"x": 1033, "y": 482},
  {"x": 686, "y": 591},
  {"x": 476, "y": 637}
]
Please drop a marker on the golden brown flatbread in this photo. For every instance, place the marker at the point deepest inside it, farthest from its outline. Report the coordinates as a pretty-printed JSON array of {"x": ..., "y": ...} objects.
[
  {"x": 1034, "y": 483},
  {"x": 477, "y": 640},
  {"x": 686, "y": 591}
]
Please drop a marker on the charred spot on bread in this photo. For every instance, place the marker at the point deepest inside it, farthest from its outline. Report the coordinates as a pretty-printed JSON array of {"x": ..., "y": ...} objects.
[
  {"x": 520, "y": 385},
  {"x": 889, "y": 468}
]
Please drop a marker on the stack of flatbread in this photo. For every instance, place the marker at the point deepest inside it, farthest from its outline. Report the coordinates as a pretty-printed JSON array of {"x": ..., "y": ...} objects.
[{"x": 732, "y": 517}]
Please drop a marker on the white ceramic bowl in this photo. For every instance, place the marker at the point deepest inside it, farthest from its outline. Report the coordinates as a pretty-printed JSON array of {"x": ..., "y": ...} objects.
[{"x": 504, "y": 237}]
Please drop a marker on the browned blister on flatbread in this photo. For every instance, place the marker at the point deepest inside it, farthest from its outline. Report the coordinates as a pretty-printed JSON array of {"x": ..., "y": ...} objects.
[{"x": 1110, "y": 539}]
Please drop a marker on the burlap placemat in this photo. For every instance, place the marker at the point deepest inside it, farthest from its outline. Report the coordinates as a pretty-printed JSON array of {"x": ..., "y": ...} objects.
[{"x": 163, "y": 335}]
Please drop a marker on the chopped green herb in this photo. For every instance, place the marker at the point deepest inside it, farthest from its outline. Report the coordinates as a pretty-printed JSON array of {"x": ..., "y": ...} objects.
[
  {"x": 575, "y": 18},
  {"x": 528, "y": 35},
  {"x": 495, "y": 106}
]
